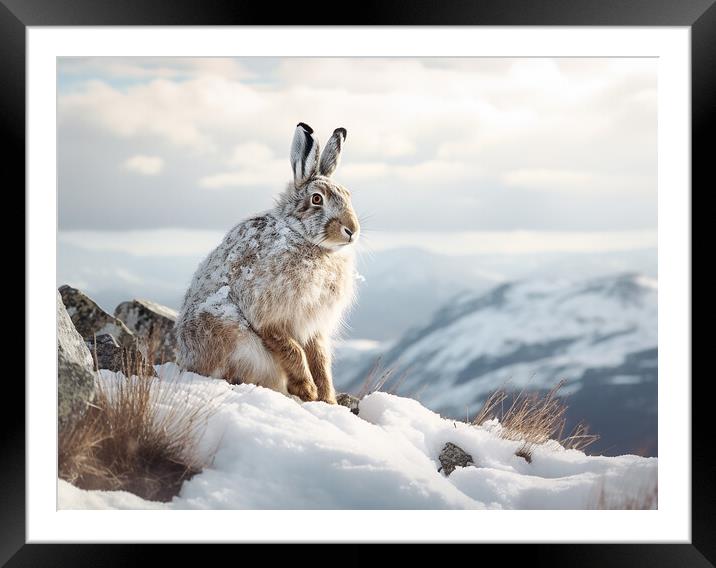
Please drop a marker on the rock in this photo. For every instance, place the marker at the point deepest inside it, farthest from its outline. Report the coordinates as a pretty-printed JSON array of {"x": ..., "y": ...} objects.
[
  {"x": 453, "y": 456},
  {"x": 348, "y": 400},
  {"x": 75, "y": 377},
  {"x": 108, "y": 354},
  {"x": 154, "y": 324},
  {"x": 70, "y": 344},
  {"x": 75, "y": 390},
  {"x": 91, "y": 320}
]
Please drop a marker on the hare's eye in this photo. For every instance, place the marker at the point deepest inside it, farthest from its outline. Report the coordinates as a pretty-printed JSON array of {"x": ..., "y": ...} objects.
[{"x": 317, "y": 199}]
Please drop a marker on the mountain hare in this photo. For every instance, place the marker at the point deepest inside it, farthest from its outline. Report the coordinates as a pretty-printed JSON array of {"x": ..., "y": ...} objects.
[{"x": 262, "y": 307}]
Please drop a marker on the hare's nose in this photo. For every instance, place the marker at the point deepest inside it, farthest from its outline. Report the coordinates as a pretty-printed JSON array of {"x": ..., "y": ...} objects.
[{"x": 348, "y": 233}]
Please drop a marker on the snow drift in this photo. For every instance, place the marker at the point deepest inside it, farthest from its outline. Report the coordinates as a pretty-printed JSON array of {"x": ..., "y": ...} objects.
[{"x": 267, "y": 451}]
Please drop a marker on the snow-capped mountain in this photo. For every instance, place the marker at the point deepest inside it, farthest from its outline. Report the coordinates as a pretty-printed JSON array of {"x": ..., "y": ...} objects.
[{"x": 599, "y": 335}]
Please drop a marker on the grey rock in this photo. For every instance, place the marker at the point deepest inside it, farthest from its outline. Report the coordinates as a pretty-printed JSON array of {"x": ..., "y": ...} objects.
[
  {"x": 70, "y": 344},
  {"x": 75, "y": 390},
  {"x": 91, "y": 320},
  {"x": 153, "y": 324},
  {"x": 75, "y": 378},
  {"x": 108, "y": 354},
  {"x": 452, "y": 456},
  {"x": 348, "y": 400}
]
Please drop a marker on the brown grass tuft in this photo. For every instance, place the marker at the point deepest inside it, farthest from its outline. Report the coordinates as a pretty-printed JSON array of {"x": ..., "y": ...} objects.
[
  {"x": 645, "y": 498},
  {"x": 378, "y": 379},
  {"x": 134, "y": 437},
  {"x": 533, "y": 419},
  {"x": 525, "y": 452}
]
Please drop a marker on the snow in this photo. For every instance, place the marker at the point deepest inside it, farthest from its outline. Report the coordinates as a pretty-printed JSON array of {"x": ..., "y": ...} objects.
[
  {"x": 218, "y": 304},
  {"x": 266, "y": 450},
  {"x": 71, "y": 497}
]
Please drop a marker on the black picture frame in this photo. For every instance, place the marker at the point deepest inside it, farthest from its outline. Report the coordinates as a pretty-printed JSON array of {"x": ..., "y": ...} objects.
[{"x": 699, "y": 15}]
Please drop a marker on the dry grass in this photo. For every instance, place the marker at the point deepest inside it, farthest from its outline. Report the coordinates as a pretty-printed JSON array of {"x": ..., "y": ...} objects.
[
  {"x": 379, "y": 379},
  {"x": 525, "y": 452},
  {"x": 134, "y": 437},
  {"x": 646, "y": 498},
  {"x": 533, "y": 419}
]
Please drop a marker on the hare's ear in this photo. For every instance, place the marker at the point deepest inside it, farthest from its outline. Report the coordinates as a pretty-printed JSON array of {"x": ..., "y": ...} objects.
[
  {"x": 332, "y": 152},
  {"x": 304, "y": 154}
]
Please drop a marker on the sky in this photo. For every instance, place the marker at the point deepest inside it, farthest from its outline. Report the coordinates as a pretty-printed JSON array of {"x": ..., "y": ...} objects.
[
  {"x": 500, "y": 144},
  {"x": 159, "y": 157}
]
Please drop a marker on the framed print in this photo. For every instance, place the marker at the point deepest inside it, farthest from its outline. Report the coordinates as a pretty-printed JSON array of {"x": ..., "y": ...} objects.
[{"x": 424, "y": 276}]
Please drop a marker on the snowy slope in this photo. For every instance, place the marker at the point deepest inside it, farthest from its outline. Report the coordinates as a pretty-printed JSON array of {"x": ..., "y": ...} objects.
[
  {"x": 272, "y": 452},
  {"x": 600, "y": 335}
]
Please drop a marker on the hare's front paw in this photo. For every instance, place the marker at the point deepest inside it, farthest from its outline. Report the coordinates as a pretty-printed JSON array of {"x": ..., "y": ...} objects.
[
  {"x": 328, "y": 396},
  {"x": 305, "y": 390}
]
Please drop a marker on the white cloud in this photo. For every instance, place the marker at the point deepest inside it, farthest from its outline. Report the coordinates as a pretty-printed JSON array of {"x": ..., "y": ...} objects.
[
  {"x": 250, "y": 177},
  {"x": 144, "y": 165},
  {"x": 364, "y": 171},
  {"x": 151, "y": 67},
  {"x": 392, "y": 108},
  {"x": 253, "y": 165},
  {"x": 547, "y": 180},
  {"x": 249, "y": 154},
  {"x": 428, "y": 172},
  {"x": 184, "y": 113}
]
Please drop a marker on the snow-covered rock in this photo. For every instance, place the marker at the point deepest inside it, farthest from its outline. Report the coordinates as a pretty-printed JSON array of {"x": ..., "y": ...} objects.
[
  {"x": 349, "y": 401},
  {"x": 153, "y": 323},
  {"x": 75, "y": 379},
  {"x": 91, "y": 320},
  {"x": 452, "y": 456},
  {"x": 265, "y": 450}
]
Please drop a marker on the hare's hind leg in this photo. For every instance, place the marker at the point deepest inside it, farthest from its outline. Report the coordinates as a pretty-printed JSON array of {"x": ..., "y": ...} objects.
[
  {"x": 319, "y": 362},
  {"x": 206, "y": 344},
  {"x": 215, "y": 347},
  {"x": 293, "y": 360},
  {"x": 255, "y": 363}
]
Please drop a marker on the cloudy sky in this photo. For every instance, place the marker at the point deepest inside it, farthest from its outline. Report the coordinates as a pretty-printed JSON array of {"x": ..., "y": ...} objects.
[
  {"x": 499, "y": 144},
  {"x": 162, "y": 156}
]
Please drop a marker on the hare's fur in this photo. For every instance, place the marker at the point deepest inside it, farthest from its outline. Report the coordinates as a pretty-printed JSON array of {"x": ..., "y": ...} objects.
[{"x": 263, "y": 306}]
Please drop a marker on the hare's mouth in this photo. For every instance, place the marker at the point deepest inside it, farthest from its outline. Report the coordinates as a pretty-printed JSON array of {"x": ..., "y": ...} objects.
[{"x": 333, "y": 245}]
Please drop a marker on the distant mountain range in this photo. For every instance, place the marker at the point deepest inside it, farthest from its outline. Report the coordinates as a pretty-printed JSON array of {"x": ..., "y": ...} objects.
[{"x": 598, "y": 334}]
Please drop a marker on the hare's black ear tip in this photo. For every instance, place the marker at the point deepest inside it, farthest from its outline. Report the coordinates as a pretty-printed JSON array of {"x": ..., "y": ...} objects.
[
  {"x": 342, "y": 131},
  {"x": 305, "y": 127}
]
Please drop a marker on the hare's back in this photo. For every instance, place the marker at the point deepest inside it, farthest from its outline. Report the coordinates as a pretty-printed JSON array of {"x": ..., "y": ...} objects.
[{"x": 212, "y": 280}]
